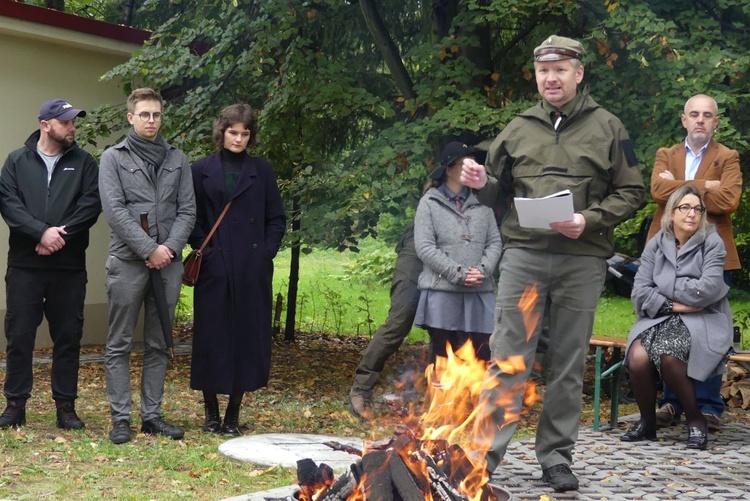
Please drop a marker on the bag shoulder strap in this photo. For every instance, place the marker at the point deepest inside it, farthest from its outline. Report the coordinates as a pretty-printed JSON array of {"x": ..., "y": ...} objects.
[{"x": 216, "y": 225}]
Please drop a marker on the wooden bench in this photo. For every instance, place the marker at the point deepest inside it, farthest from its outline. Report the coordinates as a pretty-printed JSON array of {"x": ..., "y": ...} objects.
[{"x": 613, "y": 372}]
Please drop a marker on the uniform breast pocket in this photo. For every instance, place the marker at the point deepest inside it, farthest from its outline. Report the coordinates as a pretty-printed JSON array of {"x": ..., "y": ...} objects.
[{"x": 552, "y": 179}]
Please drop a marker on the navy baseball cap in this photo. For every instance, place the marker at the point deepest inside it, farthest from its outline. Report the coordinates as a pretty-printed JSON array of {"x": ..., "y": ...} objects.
[{"x": 59, "y": 109}]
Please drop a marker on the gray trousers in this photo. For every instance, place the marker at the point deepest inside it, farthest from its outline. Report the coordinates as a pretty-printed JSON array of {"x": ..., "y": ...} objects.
[
  {"x": 128, "y": 288},
  {"x": 569, "y": 287},
  {"x": 389, "y": 337}
]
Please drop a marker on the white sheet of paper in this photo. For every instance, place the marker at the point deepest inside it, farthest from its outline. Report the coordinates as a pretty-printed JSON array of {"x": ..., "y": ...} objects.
[{"x": 540, "y": 212}]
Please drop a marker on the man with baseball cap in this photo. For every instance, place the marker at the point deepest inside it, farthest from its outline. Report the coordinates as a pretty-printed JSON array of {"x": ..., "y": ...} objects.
[
  {"x": 567, "y": 141},
  {"x": 49, "y": 197}
]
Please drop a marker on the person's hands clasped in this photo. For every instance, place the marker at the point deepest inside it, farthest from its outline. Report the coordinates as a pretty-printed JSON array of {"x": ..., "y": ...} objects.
[
  {"x": 473, "y": 174},
  {"x": 571, "y": 229},
  {"x": 51, "y": 241},
  {"x": 474, "y": 277},
  {"x": 684, "y": 308},
  {"x": 160, "y": 258}
]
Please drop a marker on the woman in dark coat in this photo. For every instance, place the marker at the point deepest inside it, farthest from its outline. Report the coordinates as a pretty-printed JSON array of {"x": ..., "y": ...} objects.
[{"x": 233, "y": 297}]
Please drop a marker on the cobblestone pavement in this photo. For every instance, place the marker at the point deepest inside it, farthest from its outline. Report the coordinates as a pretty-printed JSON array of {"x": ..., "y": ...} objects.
[{"x": 612, "y": 470}]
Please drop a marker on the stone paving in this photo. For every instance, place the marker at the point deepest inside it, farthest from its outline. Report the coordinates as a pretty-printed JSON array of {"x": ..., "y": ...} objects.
[{"x": 612, "y": 470}]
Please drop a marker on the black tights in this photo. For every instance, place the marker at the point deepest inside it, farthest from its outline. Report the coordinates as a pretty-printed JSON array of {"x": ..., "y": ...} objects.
[
  {"x": 235, "y": 399},
  {"x": 674, "y": 372}
]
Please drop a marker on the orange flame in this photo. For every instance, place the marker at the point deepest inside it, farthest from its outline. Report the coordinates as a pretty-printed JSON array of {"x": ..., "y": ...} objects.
[{"x": 452, "y": 409}]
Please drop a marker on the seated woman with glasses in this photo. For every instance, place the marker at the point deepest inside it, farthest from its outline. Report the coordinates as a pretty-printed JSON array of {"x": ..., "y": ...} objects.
[{"x": 684, "y": 328}]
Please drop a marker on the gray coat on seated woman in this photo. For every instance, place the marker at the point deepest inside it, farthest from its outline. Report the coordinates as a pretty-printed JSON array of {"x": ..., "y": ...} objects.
[{"x": 693, "y": 276}]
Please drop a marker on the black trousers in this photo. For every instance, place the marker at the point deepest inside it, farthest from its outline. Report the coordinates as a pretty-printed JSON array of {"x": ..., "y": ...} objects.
[
  {"x": 59, "y": 296},
  {"x": 440, "y": 338}
]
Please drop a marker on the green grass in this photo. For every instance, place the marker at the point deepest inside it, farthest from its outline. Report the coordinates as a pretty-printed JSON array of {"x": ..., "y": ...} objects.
[{"x": 333, "y": 296}]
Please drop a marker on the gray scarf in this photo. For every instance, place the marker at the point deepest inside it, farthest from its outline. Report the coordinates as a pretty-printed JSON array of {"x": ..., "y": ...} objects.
[{"x": 152, "y": 153}]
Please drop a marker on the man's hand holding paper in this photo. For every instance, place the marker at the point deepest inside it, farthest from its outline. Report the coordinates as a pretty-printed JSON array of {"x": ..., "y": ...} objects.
[{"x": 571, "y": 229}]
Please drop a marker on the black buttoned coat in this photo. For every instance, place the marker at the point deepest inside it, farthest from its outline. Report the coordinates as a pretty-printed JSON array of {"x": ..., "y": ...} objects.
[{"x": 233, "y": 297}]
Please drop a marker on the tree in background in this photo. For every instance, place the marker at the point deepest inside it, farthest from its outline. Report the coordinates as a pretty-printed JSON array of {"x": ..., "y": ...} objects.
[{"x": 356, "y": 97}]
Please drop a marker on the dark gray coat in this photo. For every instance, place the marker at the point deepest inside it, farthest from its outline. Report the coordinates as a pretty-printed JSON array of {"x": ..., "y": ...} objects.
[{"x": 693, "y": 276}]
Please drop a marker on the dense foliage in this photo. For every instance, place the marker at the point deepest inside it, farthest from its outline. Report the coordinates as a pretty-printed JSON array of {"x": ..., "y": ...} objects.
[{"x": 356, "y": 97}]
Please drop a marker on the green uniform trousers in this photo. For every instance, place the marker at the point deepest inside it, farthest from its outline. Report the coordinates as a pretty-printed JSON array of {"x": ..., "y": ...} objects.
[{"x": 569, "y": 287}]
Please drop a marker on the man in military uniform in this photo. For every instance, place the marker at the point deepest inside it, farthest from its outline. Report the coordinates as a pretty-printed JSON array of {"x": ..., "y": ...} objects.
[{"x": 567, "y": 141}]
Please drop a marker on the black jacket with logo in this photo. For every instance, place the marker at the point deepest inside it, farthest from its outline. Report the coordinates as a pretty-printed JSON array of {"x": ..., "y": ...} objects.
[{"x": 29, "y": 206}]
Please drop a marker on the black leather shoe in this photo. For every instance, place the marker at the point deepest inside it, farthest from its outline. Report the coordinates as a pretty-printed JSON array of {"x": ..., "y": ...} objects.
[
  {"x": 14, "y": 414},
  {"x": 67, "y": 419},
  {"x": 639, "y": 433},
  {"x": 158, "y": 426},
  {"x": 697, "y": 438},
  {"x": 560, "y": 477},
  {"x": 120, "y": 432}
]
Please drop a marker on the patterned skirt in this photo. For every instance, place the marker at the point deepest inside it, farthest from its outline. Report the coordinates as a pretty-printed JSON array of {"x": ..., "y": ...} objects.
[{"x": 670, "y": 337}]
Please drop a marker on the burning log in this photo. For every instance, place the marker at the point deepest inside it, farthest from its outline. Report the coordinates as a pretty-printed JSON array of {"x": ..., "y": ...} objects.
[{"x": 408, "y": 470}]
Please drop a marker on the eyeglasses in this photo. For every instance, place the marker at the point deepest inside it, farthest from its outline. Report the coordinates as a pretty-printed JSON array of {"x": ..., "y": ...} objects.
[
  {"x": 145, "y": 116},
  {"x": 686, "y": 208}
]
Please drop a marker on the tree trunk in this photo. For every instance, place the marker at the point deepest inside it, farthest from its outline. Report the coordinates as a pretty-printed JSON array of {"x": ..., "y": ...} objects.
[
  {"x": 443, "y": 12},
  {"x": 127, "y": 17},
  {"x": 388, "y": 48},
  {"x": 55, "y": 4},
  {"x": 291, "y": 295}
]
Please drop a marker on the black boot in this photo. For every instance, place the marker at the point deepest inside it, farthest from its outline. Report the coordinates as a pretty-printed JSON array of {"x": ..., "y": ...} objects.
[
  {"x": 67, "y": 419},
  {"x": 231, "y": 424},
  {"x": 14, "y": 414},
  {"x": 213, "y": 418}
]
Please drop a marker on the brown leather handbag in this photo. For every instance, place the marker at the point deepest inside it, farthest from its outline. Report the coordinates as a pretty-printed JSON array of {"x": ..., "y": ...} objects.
[{"x": 192, "y": 262}]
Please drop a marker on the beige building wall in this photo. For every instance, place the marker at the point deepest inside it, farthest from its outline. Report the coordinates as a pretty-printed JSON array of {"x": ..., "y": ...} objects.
[{"x": 41, "y": 62}]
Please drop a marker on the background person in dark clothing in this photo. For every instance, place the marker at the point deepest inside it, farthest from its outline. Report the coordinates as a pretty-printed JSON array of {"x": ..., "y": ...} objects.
[
  {"x": 49, "y": 198},
  {"x": 389, "y": 336},
  {"x": 232, "y": 333}
]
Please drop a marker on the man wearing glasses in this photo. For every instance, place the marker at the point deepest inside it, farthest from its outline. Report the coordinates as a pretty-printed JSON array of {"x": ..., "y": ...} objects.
[
  {"x": 142, "y": 174},
  {"x": 715, "y": 170},
  {"x": 49, "y": 198}
]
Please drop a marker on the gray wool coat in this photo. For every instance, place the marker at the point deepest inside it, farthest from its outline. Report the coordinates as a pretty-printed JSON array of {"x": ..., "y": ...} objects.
[
  {"x": 694, "y": 276},
  {"x": 449, "y": 241}
]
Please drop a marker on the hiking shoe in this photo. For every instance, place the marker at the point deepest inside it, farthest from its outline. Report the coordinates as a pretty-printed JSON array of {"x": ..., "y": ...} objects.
[
  {"x": 14, "y": 414},
  {"x": 120, "y": 432},
  {"x": 713, "y": 421},
  {"x": 158, "y": 426},
  {"x": 560, "y": 477},
  {"x": 666, "y": 416},
  {"x": 67, "y": 419},
  {"x": 360, "y": 406}
]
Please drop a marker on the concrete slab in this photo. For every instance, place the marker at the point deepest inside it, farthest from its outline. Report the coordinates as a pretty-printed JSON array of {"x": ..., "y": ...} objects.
[{"x": 285, "y": 449}]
